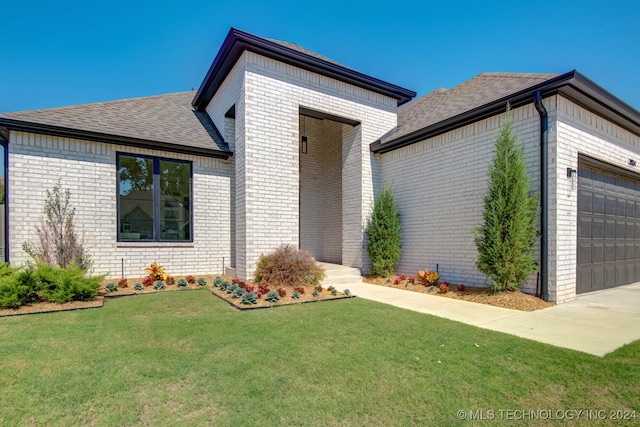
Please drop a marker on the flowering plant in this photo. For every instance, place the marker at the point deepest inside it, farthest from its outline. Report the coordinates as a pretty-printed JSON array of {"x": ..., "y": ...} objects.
[
  {"x": 156, "y": 271},
  {"x": 428, "y": 277}
]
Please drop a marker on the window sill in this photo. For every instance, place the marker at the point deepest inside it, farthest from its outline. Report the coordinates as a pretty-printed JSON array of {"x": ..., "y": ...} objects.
[{"x": 155, "y": 245}]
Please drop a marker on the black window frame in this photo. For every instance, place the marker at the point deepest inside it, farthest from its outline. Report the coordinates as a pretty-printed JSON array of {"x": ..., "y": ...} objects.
[{"x": 157, "y": 205}]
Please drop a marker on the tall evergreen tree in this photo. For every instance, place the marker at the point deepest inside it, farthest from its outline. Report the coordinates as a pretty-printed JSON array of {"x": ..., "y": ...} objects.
[
  {"x": 383, "y": 234},
  {"x": 506, "y": 239}
]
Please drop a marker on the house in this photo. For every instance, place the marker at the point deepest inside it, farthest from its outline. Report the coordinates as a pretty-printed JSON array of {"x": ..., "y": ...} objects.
[{"x": 282, "y": 145}]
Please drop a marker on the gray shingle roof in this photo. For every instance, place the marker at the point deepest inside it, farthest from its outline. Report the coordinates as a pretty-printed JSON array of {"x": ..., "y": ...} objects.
[
  {"x": 443, "y": 104},
  {"x": 168, "y": 119},
  {"x": 306, "y": 51}
]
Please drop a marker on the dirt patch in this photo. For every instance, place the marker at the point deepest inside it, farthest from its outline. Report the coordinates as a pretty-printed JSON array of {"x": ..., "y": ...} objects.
[{"x": 514, "y": 300}]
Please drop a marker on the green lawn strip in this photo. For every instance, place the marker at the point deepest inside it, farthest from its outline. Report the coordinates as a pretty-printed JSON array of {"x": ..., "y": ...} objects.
[{"x": 188, "y": 358}]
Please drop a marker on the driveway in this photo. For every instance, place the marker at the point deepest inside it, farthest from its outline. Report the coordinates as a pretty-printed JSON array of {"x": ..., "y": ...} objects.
[{"x": 596, "y": 323}]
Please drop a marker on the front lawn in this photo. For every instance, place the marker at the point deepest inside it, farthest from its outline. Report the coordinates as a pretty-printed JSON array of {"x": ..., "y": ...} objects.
[{"x": 188, "y": 358}]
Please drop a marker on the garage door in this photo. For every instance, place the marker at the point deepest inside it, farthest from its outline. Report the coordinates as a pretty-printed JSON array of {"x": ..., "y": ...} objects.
[{"x": 608, "y": 226}]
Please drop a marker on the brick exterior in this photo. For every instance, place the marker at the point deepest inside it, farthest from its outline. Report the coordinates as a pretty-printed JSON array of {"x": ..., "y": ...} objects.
[
  {"x": 439, "y": 185},
  {"x": 578, "y": 131},
  {"x": 268, "y": 95},
  {"x": 88, "y": 170}
]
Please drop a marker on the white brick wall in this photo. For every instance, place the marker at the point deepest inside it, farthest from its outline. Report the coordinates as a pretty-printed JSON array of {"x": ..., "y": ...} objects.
[
  {"x": 88, "y": 170},
  {"x": 579, "y": 131},
  {"x": 267, "y": 153},
  {"x": 439, "y": 185}
]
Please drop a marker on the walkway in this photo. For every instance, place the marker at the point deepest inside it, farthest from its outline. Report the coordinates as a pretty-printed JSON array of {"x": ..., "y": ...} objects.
[{"x": 596, "y": 323}]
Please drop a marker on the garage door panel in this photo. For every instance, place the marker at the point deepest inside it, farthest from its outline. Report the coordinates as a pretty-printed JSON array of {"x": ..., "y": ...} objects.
[{"x": 608, "y": 226}]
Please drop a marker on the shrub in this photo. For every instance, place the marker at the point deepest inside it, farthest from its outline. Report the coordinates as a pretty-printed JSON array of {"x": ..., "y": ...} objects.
[
  {"x": 318, "y": 288},
  {"x": 138, "y": 287},
  {"x": 428, "y": 278},
  {"x": 273, "y": 297},
  {"x": 461, "y": 287},
  {"x": 191, "y": 279},
  {"x": 334, "y": 292},
  {"x": 299, "y": 289},
  {"x": 331, "y": 289},
  {"x": 156, "y": 271},
  {"x": 158, "y": 285},
  {"x": 295, "y": 295},
  {"x": 170, "y": 281},
  {"x": 444, "y": 287},
  {"x": 232, "y": 287},
  {"x": 238, "y": 292},
  {"x": 383, "y": 234},
  {"x": 202, "y": 281},
  {"x": 217, "y": 281},
  {"x": 315, "y": 293},
  {"x": 288, "y": 266},
  {"x": 181, "y": 283},
  {"x": 110, "y": 287},
  {"x": 412, "y": 279},
  {"x": 58, "y": 243},
  {"x": 249, "y": 288},
  {"x": 506, "y": 239},
  {"x": 282, "y": 292},
  {"x": 122, "y": 283},
  {"x": 148, "y": 281},
  {"x": 347, "y": 292},
  {"x": 249, "y": 298},
  {"x": 263, "y": 288},
  {"x": 224, "y": 285}
]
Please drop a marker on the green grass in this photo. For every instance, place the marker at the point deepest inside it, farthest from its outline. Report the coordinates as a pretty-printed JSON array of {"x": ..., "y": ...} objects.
[{"x": 188, "y": 358}]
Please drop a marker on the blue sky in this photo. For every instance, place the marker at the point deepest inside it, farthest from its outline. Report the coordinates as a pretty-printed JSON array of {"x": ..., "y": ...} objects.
[{"x": 66, "y": 52}]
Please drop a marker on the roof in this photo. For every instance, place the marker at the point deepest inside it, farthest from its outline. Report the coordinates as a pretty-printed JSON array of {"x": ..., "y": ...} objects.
[
  {"x": 238, "y": 41},
  {"x": 487, "y": 94},
  {"x": 165, "y": 122}
]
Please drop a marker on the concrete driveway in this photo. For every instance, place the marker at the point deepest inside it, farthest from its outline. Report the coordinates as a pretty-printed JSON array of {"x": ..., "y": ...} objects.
[{"x": 596, "y": 323}]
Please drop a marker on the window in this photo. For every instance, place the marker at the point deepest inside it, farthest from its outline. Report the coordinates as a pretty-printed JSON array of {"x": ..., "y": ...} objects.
[{"x": 154, "y": 199}]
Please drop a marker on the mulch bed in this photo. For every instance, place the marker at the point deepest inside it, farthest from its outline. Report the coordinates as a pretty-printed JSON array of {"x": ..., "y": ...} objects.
[
  {"x": 514, "y": 300},
  {"x": 306, "y": 297}
]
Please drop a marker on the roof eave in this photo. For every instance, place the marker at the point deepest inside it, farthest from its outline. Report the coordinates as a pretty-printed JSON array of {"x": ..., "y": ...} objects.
[
  {"x": 572, "y": 85},
  {"x": 238, "y": 41},
  {"x": 38, "y": 128}
]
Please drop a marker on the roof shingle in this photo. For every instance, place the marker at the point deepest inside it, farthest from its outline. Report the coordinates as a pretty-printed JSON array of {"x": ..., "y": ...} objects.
[
  {"x": 166, "y": 119},
  {"x": 443, "y": 104}
]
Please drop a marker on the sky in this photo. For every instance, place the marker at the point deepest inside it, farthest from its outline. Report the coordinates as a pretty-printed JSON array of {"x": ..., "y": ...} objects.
[{"x": 65, "y": 52}]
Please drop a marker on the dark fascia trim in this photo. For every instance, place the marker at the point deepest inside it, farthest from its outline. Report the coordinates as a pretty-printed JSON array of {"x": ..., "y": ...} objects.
[
  {"x": 572, "y": 85},
  {"x": 238, "y": 41},
  {"x": 326, "y": 116},
  {"x": 19, "y": 125}
]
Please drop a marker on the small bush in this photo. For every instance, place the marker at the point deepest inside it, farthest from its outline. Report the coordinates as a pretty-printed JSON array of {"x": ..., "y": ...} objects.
[
  {"x": 315, "y": 293},
  {"x": 318, "y": 288},
  {"x": 383, "y": 234},
  {"x": 217, "y": 281},
  {"x": 170, "y": 281},
  {"x": 156, "y": 271},
  {"x": 249, "y": 288},
  {"x": 299, "y": 289},
  {"x": 331, "y": 289},
  {"x": 202, "y": 281},
  {"x": 122, "y": 283},
  {"x": 428, "y": 278},
  {"x": 461, "y": 287},
  {"x": 232, "y": 287},
  {"x": 443, "y": 288},
  {"x": 263, "y": 288},
  {"x": 334, "y": 292},
  {"x": 282, "y": 292},
  {"x": 158, "y": 285},
  {"x": 249, "y": 298},
  {"x": 347, "y": 292},
  {"x": 191, "y": 279},
  {"x": 181, "y": 283},
  {"x": 273, "y": 297},
  {"x": 224, "y": 285},
  {"x": 238, "y": 292},
  {"x": 138, "y": 286},
  {"x": 148, "y": 281},
  {"x": 110, "y": 287},
  {"x": 295, "y": 295},
  {"x": 288, "y": 266}
]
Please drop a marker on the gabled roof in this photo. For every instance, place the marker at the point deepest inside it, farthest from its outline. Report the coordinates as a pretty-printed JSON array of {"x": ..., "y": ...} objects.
[
  {"x": 487, "y": 94},
  {"x": 163, "y": 122},
  {"x": 238, "y": 41}
]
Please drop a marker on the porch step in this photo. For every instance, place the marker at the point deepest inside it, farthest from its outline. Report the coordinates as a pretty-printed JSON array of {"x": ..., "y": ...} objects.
[{"x": 340, "y": 275}]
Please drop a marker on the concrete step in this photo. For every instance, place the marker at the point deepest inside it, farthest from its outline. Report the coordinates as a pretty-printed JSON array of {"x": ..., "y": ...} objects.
[{"x": 340, "y": 275}]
